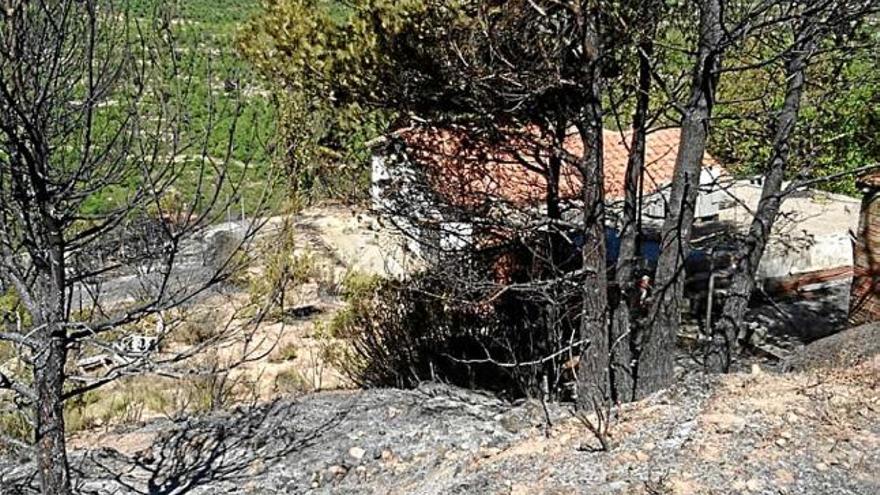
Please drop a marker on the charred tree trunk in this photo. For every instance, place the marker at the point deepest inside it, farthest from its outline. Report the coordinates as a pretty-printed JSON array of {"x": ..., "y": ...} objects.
[
  {"x": 723, "y": 344},
  {"x": 593, "y": 372},
  {"x": 622, "y": 327},
  {"x": 54, "y": 473},
  {"x": 50, "y": 358},
  {"x": 557, "y": 242},
  {"x": 657, "y": 342},
  {"x": 554, "y": 169},
  {"x": 558, "y": 250},
  {"x": 594, "y": 364}
]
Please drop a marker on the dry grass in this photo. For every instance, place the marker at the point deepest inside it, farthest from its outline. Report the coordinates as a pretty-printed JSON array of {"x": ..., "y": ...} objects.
[
  {"x": 291, "y": 381},
  {"x": 197, "y": 327},
  {"x": 284, "y": 352}
]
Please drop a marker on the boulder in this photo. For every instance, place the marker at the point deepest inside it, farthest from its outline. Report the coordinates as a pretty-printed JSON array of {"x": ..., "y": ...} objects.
[{"x": 844, "y": 349}]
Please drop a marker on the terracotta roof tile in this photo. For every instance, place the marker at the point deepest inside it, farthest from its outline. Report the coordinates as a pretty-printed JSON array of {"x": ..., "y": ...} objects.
[{"x": 472, "y": 171}]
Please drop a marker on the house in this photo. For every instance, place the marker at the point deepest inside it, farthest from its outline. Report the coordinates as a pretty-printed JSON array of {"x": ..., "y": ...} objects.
[{"x": 462, "y": 181}]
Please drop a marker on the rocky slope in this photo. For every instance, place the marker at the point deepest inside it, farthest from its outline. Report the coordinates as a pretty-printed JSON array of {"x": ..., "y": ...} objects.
[{"x": 816, "y": 432}]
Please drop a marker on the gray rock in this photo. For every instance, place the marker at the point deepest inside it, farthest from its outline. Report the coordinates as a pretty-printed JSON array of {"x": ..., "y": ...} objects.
[
  {"x": 844, "y": 349},
  {"x": 356, "y": 453}
]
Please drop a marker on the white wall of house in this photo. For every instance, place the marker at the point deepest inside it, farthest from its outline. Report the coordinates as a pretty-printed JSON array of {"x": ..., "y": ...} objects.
[
  {"x": 711, "y": 194},
  {"x": 391, "y": 187}
]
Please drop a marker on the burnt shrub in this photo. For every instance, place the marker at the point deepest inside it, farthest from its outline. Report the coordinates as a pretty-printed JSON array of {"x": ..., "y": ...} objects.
[{"x": 448, "y": 325}]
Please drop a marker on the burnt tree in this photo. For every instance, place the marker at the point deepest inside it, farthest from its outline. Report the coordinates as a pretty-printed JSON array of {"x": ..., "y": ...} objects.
[
  {"x": 624, "y": 329},
  {"x": 594, "y": 379},
  {"x": 812, "y": 25},
  {"x": 94, "y": 101},
  {"x": 657, "y": 341}
]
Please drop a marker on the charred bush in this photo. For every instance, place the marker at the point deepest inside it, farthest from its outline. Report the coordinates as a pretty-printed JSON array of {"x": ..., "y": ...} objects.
[{"x": 450, "y": 324}]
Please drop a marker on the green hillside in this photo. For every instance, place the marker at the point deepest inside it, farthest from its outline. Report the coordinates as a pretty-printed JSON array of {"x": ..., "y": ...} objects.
[{"x": 217, "y": 90}]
